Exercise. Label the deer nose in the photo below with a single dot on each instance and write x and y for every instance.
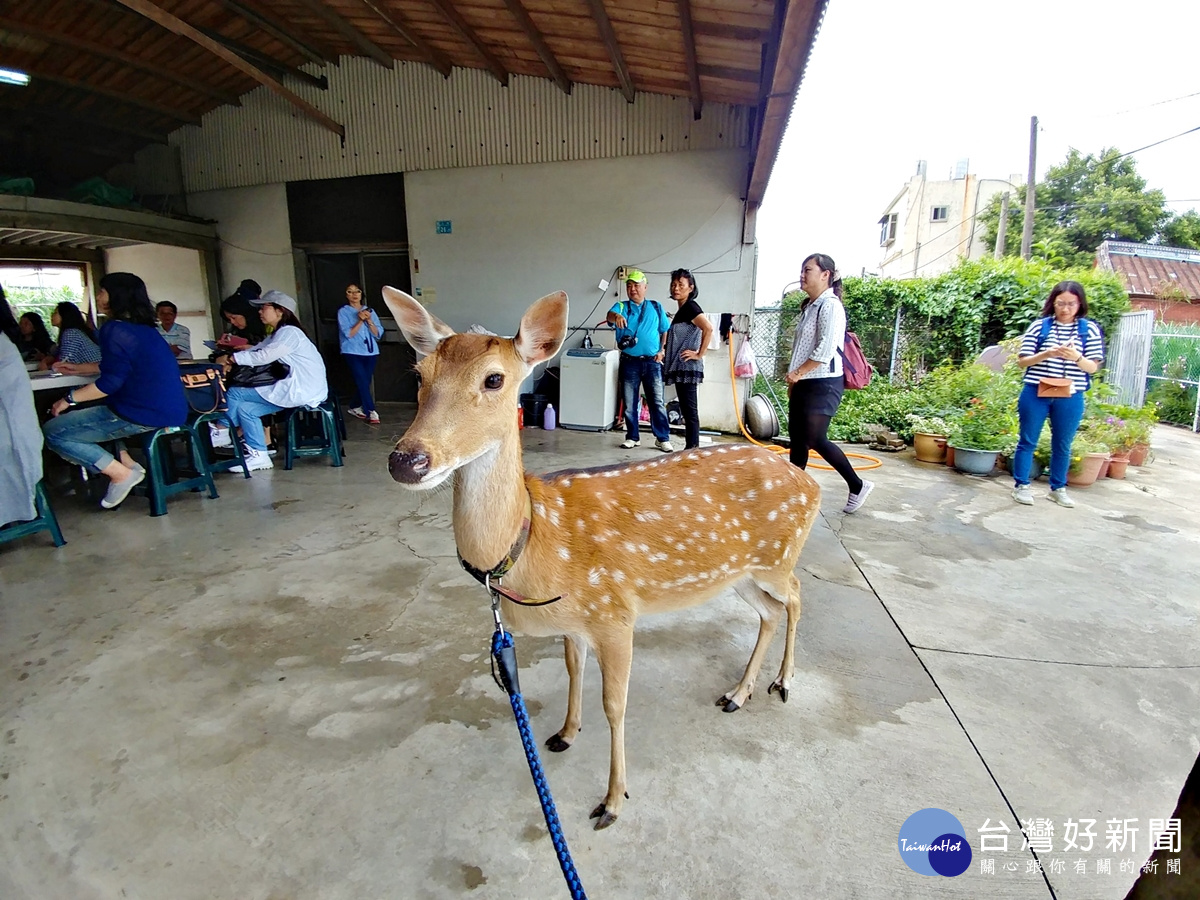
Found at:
(408, 466)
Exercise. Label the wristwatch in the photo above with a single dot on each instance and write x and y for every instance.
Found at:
(70, 398)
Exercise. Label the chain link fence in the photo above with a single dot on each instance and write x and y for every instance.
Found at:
(1173, 374)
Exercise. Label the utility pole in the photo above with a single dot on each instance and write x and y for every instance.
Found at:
(1002, 229)
(1030, 181)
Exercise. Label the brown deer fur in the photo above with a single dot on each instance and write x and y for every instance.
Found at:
(608, 540)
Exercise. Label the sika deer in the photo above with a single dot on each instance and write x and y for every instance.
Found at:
(607, 539)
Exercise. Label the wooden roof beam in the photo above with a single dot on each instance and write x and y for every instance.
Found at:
(281, 34)
(365, 45)
(109, 52)
(600, 14)
(400, 25)
(182, 28)
(452, 15)
(264, 62)
(91, 87)
(689, 52)
(549, 60)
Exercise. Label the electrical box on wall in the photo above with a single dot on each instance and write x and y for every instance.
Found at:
(622, 271)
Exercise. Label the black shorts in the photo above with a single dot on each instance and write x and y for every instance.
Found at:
(816, 396)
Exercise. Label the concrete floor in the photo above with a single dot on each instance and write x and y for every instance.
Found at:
(284, 693)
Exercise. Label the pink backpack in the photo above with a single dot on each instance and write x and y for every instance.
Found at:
(856, 371)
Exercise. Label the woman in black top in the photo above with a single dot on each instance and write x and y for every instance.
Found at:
(683, 364)
(35, 339)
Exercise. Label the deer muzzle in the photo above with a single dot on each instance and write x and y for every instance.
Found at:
(408, 466)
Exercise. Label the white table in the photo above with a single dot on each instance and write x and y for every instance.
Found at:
(46, 381)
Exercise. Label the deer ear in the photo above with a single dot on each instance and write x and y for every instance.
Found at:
(543, 329)
(423, 330)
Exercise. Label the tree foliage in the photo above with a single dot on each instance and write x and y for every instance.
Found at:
(1086, 200)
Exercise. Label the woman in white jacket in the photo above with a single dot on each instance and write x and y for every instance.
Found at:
(305, 384)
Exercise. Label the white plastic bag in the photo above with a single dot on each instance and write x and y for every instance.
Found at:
(744, 365)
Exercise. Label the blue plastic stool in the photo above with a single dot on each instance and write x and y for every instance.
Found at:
(154, 443)
(203, 437)
(301, 434)
(45, 521)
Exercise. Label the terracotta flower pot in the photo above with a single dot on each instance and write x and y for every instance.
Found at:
(930, 448)
(1089, 469)
(1103, 473)
(1116, 468)
(1137, 456)
(950, 456)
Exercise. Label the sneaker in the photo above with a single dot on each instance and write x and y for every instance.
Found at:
(373, 418)
(630, 443)
(854, 501)
(664, 446)
(357, 412)
(257, 460)
(119, 490)
(1023, 494)
(1060, 497)
(219, 435)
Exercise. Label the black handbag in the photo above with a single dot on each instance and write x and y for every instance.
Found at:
(257, 376)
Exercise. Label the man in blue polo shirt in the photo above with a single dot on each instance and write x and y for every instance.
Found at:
(642, 328)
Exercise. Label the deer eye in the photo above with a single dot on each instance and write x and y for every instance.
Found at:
(494, 382)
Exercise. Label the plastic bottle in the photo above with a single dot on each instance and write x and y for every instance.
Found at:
(587, 341)
(550, 419)
(520, 416)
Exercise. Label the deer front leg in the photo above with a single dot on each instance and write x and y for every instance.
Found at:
(575, 650)
(768, 609)
(787, 671)
(615, 655)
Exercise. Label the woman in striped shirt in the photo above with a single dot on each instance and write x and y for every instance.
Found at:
(1062, 344)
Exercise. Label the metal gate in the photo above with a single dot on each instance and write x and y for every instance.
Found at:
(1129, 357)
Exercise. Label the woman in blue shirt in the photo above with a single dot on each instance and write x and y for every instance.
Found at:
(139, 385)
(359, 330)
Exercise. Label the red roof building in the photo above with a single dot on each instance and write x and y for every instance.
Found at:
(1163, 279)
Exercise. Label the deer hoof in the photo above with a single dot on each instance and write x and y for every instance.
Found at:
(730, 707)
(778, 686)
(603, 817)
(555, 744)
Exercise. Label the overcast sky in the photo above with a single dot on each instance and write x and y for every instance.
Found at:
(891, 83)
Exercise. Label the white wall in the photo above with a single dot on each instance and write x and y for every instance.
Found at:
(256, 239)
(520, 232)
(170, 273)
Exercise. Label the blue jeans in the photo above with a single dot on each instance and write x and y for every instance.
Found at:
(644, 372)
(76, 435)
(1065, 414)
(362, 368)
(245, 407)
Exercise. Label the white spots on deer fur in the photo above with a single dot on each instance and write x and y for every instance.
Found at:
(706, 498)
(745, 535)
(639, 582)
(679, 562)
(566, 482)
(554, 517)
(706, 453)
(593, 577)
(680, 547)
(564, 553)
(595, 517)
(688, 492)
(731, 478)
(716, 517)
(644, 548)
(605, 598)
(539, 509)
(656, 557)
(648, 515)
(712, 480)
(722, 449)
(618, 576)
(700, 518)
(761, 544)
(775, 546)
(803, 500)
(768, 484)
(559, 501)
(712, 536)
(592, 607)
(580, 524)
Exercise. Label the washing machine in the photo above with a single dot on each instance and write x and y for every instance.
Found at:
(588, 388)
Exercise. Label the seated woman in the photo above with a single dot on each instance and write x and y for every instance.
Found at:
(35, 340)
(139, 385)
(76, 338)
(305, 384)
(241, 321)
(20, 437)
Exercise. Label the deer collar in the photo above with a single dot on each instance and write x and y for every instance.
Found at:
(490, 578)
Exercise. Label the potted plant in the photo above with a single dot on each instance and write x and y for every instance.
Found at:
(1141, 423)
(983, 430)
(1087, 458)
(930, 434)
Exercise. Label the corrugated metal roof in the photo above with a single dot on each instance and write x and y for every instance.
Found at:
(410, 119)
(1167, 273)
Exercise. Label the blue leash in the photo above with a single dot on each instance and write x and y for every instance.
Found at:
(504, 670)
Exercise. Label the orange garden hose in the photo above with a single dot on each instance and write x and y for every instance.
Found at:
(873, 462)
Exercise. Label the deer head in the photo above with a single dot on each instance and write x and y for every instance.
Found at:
(467, 399)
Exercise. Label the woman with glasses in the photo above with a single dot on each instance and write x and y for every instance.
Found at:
(1059, 353)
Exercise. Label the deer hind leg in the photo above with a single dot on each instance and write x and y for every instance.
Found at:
(615, 655)
(575, 650)
(769, 609)
(787, 671)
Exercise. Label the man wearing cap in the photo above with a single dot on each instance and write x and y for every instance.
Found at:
(303, 385)
(642, 328)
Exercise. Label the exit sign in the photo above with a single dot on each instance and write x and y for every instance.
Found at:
(443, 226)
